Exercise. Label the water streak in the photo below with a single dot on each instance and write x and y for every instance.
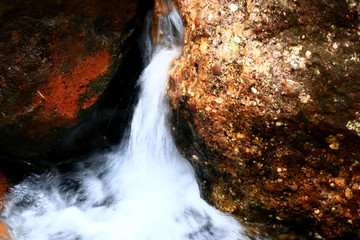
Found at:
(143, 190)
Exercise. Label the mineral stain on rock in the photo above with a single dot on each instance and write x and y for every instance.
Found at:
(56, 60)
(63, 92)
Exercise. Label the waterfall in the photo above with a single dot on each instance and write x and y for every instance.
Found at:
(142, 190)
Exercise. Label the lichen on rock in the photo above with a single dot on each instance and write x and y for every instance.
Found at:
(270, 90)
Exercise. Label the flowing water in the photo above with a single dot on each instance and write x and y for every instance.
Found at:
(143, 190)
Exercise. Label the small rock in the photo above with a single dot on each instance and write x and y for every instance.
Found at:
(304, 98)
(207, 32)
(279, 124)
(294, 187)
(348, 193)
(308, 54)
(199, 19)
(233, 7)
(354, 125)
(340, 136)
(203, 47)
(340, 182)
(237, 39)
(339, 199)
(194, 157)
(216, 69)
(240, 136)
(247, 33)
(219, 100)
(355, 186)
(277, 54)
(254, 90)
(333, 142)
(259, 27)
(318, 236)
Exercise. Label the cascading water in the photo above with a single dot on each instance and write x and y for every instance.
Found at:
(143, 190)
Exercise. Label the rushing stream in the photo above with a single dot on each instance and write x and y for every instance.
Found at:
(143, 190)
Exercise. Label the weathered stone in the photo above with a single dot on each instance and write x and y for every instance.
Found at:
(4, 232)
(216, 69)
(289, 87)
(56, 59)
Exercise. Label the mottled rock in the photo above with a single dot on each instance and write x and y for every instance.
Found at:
(56, 60)
(4, 232)
(216, 69)
(287, 98)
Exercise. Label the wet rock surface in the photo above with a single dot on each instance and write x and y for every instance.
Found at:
(266, 105)
(56, 60)
(4, 232)
(4, 187)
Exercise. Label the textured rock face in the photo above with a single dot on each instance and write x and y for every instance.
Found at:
(4, 232)
(56, 59)
(267, 95)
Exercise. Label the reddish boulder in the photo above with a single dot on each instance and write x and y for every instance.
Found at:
(266, 105)
(56, 59)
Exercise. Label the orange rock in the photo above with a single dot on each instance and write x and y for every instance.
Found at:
(4, 232)
(293, 110)
(216, 69)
